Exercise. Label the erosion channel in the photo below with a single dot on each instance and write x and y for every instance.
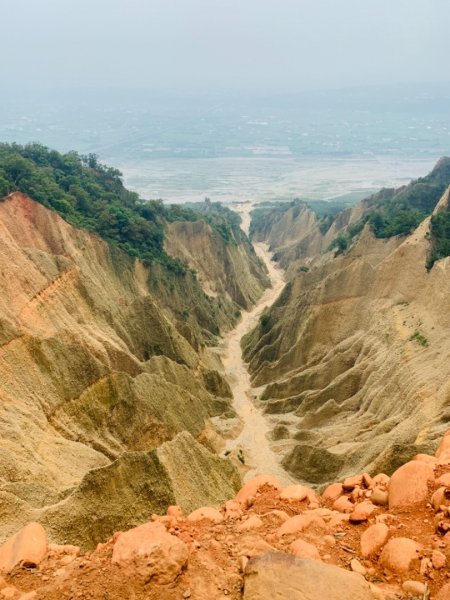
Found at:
(252, 444)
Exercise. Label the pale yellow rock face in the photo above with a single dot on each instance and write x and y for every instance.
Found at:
(97, 373)
(346, 377)
(223, 269)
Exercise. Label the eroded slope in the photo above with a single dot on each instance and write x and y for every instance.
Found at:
(355, 357)
(95, 369)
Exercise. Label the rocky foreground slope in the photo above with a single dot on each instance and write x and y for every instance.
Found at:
(365, 538)
(105, 384)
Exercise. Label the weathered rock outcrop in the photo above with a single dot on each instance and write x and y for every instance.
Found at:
(232, 270)
(354, 354)
(96, 374)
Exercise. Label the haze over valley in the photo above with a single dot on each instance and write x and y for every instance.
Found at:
(224, 292)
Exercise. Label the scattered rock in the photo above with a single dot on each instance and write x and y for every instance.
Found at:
(297, 492)
(279, 514)
(343, 505)
(379, 497)
(174, 511)
(151, 552)
(444, 480)
(414, 587)
(287, 577)
(373, 539)
(206, 512)
(443, 452)
(233, 509)
(329, 540)
(27, 547)
(438, 559)
(300, 523)
(381, 480)
(351, 482)
(441, 497)
(362, 512)
(253, 522)
(357, 567)
(409, 484)
(333, 491)
(367, 480)
(252, 486)
(303, 549)
(399, 554)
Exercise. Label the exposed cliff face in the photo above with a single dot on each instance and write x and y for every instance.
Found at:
(355, 357)
(297, 237)
(94, 369)
(232, 271)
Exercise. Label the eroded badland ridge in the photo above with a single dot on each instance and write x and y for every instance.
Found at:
(122, 381)
(103, 391)
(354, 353)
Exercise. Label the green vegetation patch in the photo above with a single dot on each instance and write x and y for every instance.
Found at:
(418, 337)
(440, 237)
(92, 196)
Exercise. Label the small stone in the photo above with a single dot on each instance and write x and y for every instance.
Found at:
(409, 484)
(300, 523)
(187, 594)
(303, 549)
(399, 553)
(233, 509)
(443, 452)
(425, 566)
(343, 505)
(151, 552)
(333, 491)
(329, 540)
(279, 514)
(414, 587)
(373, 539)
(367, 480)
(253, 522)
(206, 513)
(174, 511)
(351, 482)
(28, 546)
(297, 492)
(379, 497)
(441, 497)
(357, 567)
(362, 512)
(28, 596)
(243, 560)
(251, 487)
(443, 480)
(438, 559)
(381, 480)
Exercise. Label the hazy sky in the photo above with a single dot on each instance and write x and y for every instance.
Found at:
(235, 45)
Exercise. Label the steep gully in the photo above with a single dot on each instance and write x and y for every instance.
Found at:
(252, 443)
